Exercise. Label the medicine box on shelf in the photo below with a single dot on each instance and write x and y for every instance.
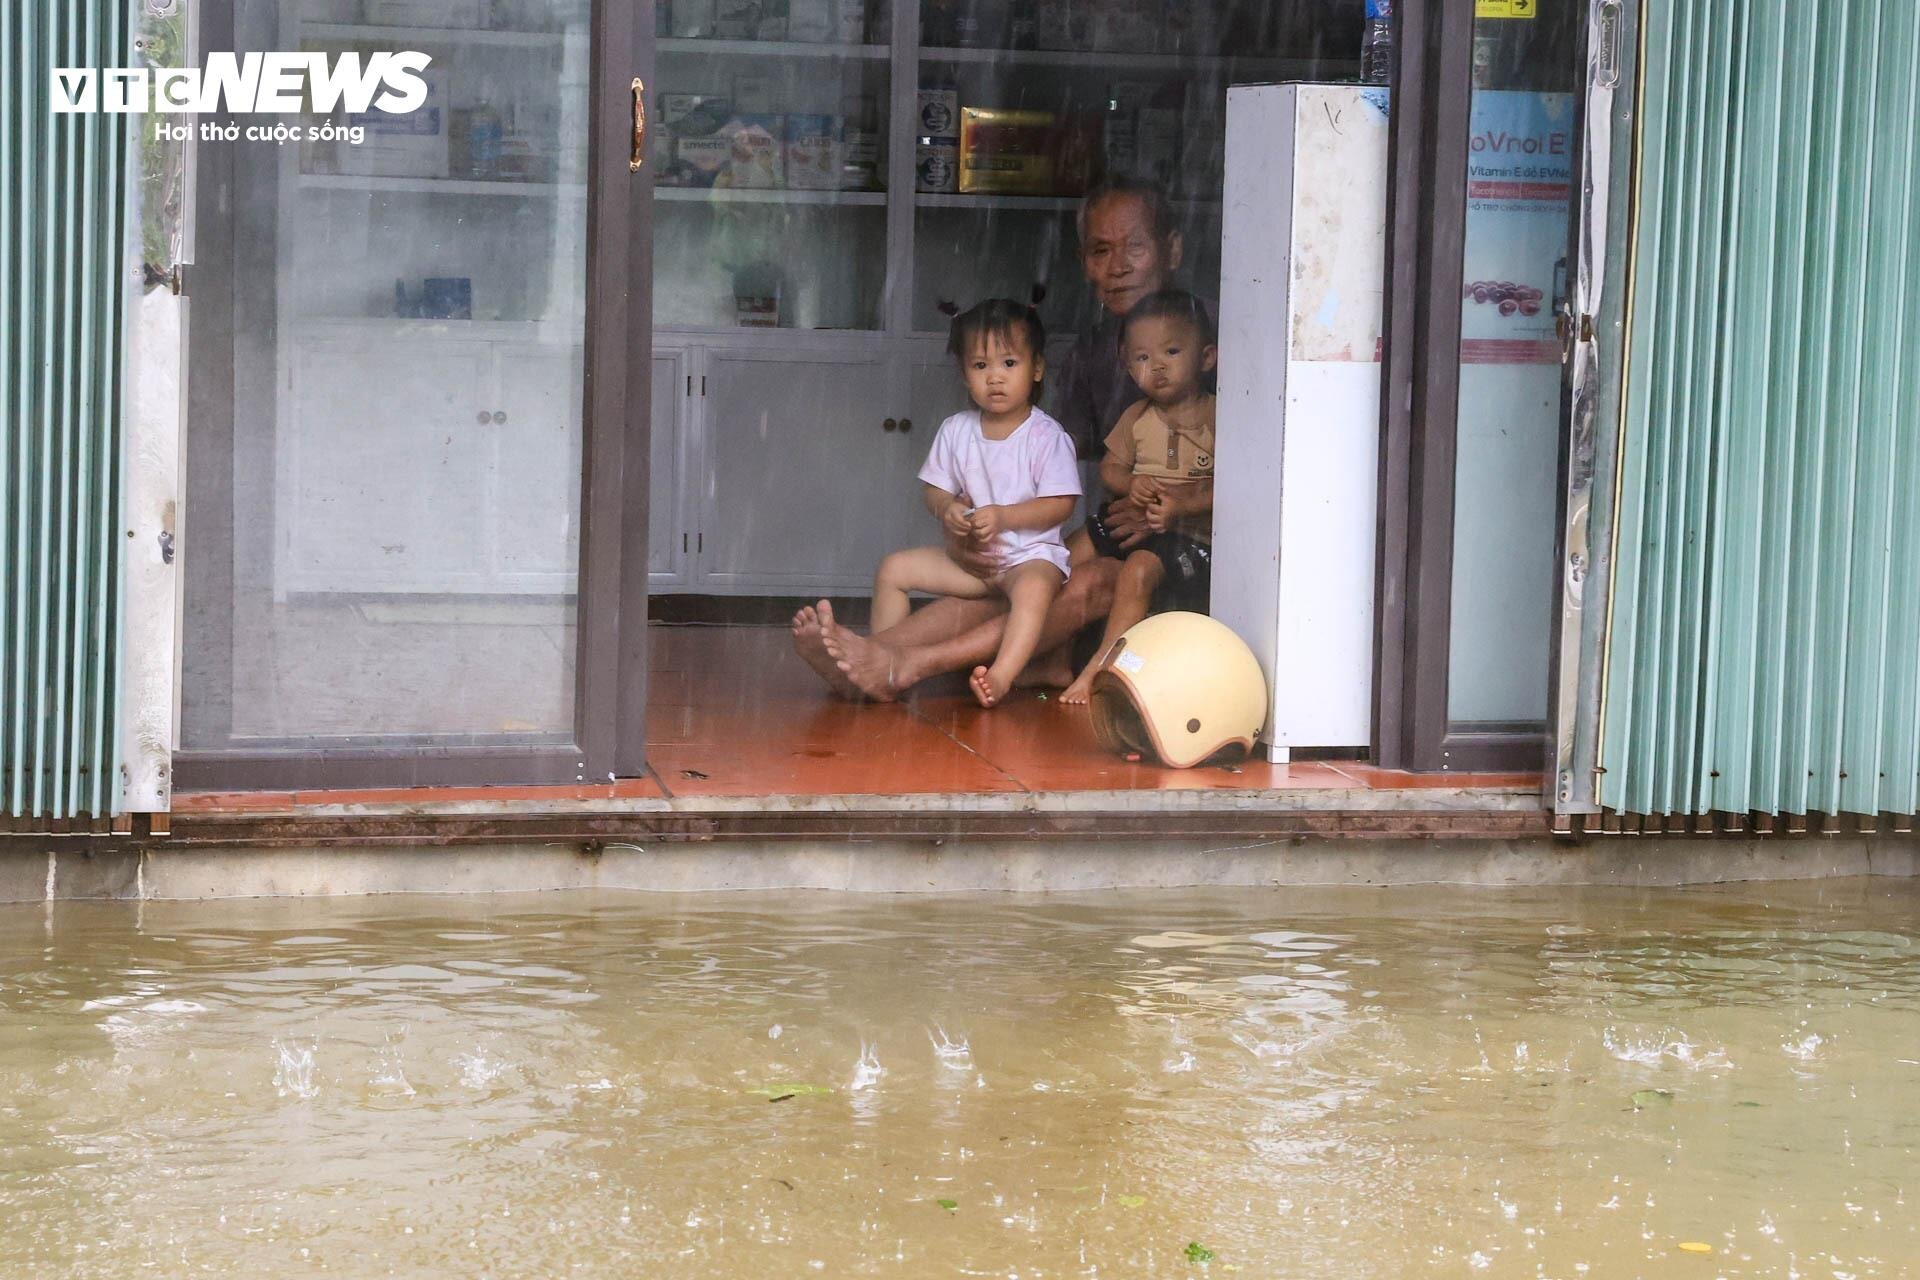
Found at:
(413, 144)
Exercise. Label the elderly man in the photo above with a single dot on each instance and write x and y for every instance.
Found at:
(1129, 248)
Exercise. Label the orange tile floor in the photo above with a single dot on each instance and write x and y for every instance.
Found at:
(734, 713)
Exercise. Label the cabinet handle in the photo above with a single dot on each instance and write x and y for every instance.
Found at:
(485, 417)
(500, 417)
(906, 425)
(638, 156)
(889, 425)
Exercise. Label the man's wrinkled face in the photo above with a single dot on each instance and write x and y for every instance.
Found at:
(1123, 260)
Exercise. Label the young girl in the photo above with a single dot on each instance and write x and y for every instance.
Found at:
(1159, 458)
(1001, 478)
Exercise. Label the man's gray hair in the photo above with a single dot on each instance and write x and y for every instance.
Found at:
(1161, 219)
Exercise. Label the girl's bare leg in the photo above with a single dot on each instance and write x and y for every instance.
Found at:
(1053, 668)
(1030, 588)
(927, 569)
(1140, 577)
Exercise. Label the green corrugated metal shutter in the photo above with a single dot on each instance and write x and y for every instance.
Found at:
(1764, 645)
(62, 222)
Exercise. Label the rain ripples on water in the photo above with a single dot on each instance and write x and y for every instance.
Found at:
(1341, 1083)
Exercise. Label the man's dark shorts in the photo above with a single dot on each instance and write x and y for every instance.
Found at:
(1188, 563)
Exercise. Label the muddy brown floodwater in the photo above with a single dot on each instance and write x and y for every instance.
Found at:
(1329, 1083)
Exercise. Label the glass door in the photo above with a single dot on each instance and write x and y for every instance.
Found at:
(396, 571)
(1485, 172)
(1520, 165)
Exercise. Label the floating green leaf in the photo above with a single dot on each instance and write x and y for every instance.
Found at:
(1644, 1098)
(1197, 1252)
(948, 1205)
(1131, 1202)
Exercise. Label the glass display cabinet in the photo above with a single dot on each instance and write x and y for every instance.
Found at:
(442, 259)
(831, 181)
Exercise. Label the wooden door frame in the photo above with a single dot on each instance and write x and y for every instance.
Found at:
(609, 735)
(1420, 406)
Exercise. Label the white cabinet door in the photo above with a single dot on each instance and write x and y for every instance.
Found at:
(932, 392)
(669, 536)
(385, 491)
(535, 482)
(803, 487)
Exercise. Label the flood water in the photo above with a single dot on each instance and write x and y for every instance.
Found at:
(1329, 1083)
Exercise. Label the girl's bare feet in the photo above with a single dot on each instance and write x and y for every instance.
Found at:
(864, 663)
(809, 643)
(988, 688)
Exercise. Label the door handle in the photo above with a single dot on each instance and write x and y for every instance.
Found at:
(888, 425)
(1606, 67)
(638, 156)
(906, 425)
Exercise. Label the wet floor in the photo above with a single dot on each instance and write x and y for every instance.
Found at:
(1337, 1083)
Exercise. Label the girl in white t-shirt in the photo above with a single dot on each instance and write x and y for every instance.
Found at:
(1000, 477)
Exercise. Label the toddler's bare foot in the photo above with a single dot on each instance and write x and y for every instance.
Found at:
(1051, 670)
(989, 688)
(809, 641)
(1080, 692)
(864, 663)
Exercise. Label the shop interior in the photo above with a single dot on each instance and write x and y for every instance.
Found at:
(807, 314)
(832, 180)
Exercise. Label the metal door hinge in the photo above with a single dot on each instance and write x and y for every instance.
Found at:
(1571, 329)
(174, 278)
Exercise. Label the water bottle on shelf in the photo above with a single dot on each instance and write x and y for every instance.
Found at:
(1376, 43)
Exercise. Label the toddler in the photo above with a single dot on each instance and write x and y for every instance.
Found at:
(1159, 458)
(1000, 478)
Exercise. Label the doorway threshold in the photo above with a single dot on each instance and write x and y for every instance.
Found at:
(744, 740)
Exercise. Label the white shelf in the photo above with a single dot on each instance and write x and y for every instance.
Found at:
(767, 195)
(442, 186)
(413, 37)
(1037, 204)
(568, 330)
(713, 48)
(1108, 61)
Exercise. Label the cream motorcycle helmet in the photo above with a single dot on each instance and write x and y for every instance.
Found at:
(1179, 686)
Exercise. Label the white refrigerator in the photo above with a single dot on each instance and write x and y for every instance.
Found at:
(1296, 486)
